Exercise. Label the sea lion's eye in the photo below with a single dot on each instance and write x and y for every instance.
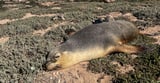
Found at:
(57, 55)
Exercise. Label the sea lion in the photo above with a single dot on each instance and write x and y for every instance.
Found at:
(94, 41)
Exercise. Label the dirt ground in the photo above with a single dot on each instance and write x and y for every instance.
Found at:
(28, 31)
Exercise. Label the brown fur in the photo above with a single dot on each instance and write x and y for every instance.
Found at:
(94, 41)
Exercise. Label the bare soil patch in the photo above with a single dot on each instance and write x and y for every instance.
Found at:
(56, 8)
(47, 4)
(123, 69)
(27, 15)
(4, 39)
(10, 5)
(76, 74)
(153, 32)
(4, 21)
(43, 31)
(128, 16)
(115, 14)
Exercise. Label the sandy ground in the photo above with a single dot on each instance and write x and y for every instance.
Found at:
(153, 32)
(43, 31)
(27, 15)
(74, 74)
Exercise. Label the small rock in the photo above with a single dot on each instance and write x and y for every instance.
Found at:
(32, 68)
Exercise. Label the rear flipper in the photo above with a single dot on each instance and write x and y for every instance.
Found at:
(129, 49)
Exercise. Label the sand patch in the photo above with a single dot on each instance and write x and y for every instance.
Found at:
(12, 9)
(4, 21)
(43, 31)
(10, 5)
(56, 8)
(123, 69)
(99, 8)
(115, 14)
(27, 15)
(74, 74)
(60, 24)
(3, 39)
(48, 4)
(128, 16)
(153, 32)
